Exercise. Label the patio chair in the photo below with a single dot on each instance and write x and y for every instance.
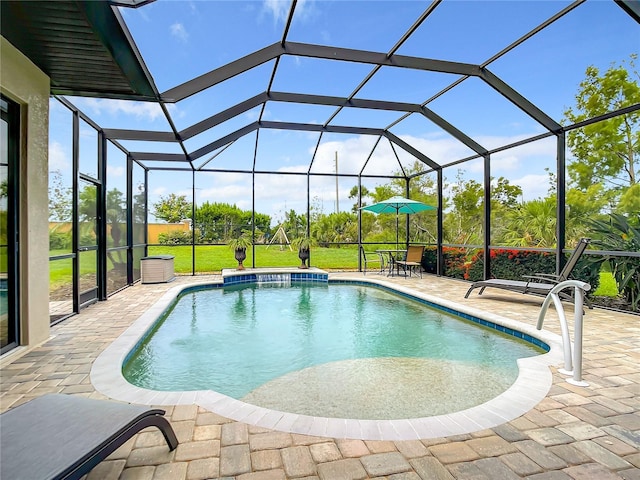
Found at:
(64, 436)
(372, 257)
(412, 261)
(539, 283)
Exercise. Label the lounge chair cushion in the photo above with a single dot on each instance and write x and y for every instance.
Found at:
(65, 436)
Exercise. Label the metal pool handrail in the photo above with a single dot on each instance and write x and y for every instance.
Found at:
(570, 368)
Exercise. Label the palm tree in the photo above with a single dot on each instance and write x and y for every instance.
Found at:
(532, 224)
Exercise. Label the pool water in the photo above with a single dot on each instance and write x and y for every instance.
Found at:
(347, 351)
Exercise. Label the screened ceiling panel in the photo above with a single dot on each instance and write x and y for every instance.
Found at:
(123, 114)
(223, 96)
(407, 160)
(566, 51)
(483, 114)
(203, 161)
(453, 27)
(298, 112)
(405, 85)
(164, 147)
(285, 149)
(351, 150)
(431, 140)
(382, 161)
(238, 156)
(365, 117)
(193, 24)
(318, 76)
(152, 164)
(222, 130)
(357, 25)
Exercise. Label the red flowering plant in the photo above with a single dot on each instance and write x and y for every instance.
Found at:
(455, 261)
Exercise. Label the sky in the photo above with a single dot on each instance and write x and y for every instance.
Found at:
(179, 40)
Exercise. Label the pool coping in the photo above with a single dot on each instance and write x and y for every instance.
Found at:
(530, 387)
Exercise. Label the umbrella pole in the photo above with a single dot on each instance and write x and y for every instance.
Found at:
(396, 229)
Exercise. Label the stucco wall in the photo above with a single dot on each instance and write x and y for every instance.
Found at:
(24, 83)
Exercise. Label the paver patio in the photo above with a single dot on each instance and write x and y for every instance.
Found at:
(574, 433)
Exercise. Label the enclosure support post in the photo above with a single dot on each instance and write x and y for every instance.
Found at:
(439, 216)
(406, 217)
(560, 203)
(487, 217)
(101, 211)
(193, 222)
(359, 223)
(130, 220)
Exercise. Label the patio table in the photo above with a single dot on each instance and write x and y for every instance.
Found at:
(393, 255)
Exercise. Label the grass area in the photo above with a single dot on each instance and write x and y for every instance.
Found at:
(215, 258)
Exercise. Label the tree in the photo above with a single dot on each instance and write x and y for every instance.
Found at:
(139, 213)
(220, 222)
(607, 152)
(336, 227)
(60, 198)
(353, 194)
(172, 208)
(532, 224)
(116, 215)
(294, 225)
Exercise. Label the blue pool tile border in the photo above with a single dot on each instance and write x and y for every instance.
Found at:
(304, 277)
(472, 318)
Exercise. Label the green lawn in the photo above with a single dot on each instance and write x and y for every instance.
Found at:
(215, 258)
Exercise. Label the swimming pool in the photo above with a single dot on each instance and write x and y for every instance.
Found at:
(531, 385)
(339, 350)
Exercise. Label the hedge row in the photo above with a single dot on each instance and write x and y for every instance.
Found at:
(505, 263)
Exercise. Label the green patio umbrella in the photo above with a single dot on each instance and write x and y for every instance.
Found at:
(398, 205)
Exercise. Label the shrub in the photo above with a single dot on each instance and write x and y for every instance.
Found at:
(508, 264)
(454, 261)
(430, 259)
(621, 234)
(59, 240)
(176, 237)
(521, 263)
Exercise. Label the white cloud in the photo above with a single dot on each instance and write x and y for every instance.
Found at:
(115, 171)
(177, 30)
(58, 158)
(159, 191)
(440, 149)
(279, 9)
(352, 153)
(142, 110)
(533, 186)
